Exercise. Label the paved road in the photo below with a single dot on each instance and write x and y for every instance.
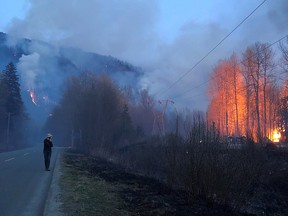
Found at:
(24, 183)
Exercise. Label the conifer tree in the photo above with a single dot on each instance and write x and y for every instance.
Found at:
(2, 96)
(12, 108)
(126, 123)
(2, 108)
(13, 100)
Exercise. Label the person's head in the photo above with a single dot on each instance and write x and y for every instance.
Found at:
(49, 136)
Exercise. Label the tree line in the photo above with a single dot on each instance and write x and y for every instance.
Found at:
(95, 115)
(248, 95)
(248, 98)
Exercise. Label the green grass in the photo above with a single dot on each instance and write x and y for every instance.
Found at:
(85, 195)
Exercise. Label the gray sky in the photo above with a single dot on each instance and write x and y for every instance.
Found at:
(165, 37)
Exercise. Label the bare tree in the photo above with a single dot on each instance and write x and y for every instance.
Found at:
(284, 50)
(227, 100)
(267, 65)
(252, 67)
(258, 64)
(246, 72)
(92, 105)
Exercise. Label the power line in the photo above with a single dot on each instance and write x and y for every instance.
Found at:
(205, 56)
(189, 90)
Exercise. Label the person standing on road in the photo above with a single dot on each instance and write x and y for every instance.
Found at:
(47, 150)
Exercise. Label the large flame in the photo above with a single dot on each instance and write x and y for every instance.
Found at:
(33, 96)
(276, 136)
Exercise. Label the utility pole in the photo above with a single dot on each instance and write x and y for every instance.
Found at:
(227, 130)
(72, 139)
(8, 129)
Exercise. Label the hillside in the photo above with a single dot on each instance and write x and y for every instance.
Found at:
(43, 68)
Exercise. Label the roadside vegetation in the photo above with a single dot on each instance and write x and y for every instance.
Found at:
(94, 186)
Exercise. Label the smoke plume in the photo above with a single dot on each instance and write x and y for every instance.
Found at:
(129, 30)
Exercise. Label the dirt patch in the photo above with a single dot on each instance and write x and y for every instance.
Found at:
(136, 195)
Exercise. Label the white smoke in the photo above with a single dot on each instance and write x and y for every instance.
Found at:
(29, 69)
(128, 29)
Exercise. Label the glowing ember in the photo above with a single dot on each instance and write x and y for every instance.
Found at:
(32, 95)
(276, 136)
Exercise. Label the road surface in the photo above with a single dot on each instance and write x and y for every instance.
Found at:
(24, 183)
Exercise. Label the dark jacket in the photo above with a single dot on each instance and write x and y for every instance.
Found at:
(47, 145)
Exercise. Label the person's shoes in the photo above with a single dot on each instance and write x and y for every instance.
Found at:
(47, 169)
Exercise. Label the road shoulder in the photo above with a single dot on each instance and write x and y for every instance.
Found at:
(53, 202)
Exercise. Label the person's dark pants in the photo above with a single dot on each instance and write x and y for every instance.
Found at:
(47, 156)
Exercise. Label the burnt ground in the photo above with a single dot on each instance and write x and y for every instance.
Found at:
(143, 195)
(270, 194)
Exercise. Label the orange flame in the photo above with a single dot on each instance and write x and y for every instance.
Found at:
(33, 97)
(276, 136)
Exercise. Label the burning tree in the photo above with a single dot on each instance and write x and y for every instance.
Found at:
(244, 96)
(227, 100)
(258, 72)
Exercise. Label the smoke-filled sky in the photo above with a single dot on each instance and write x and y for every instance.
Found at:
(165, 37)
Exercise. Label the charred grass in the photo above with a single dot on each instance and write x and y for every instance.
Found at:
(93, 186)
(86, 194)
